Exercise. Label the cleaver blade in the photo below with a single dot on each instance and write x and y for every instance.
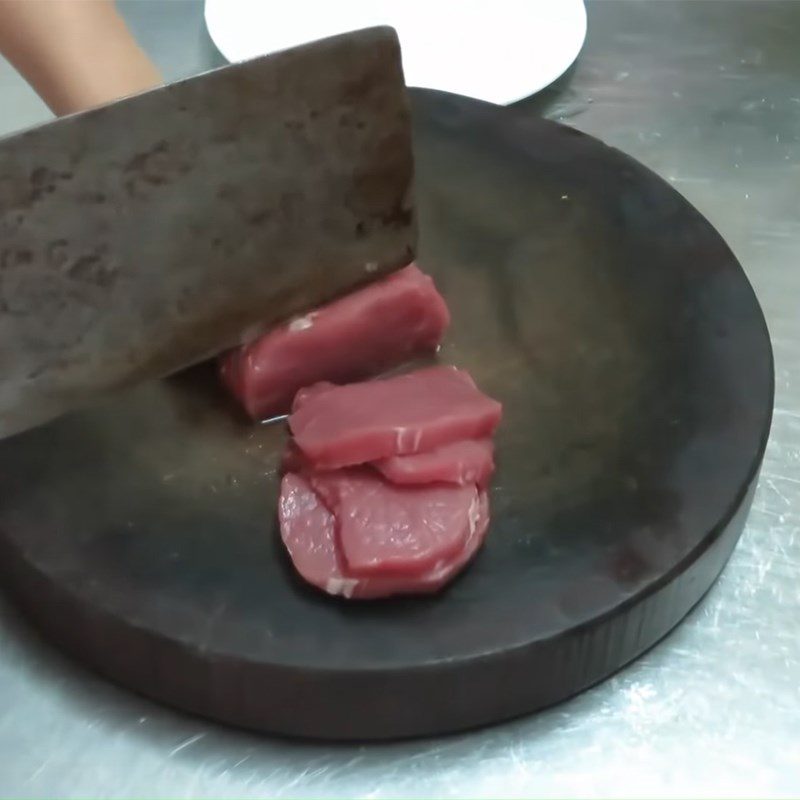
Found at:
(147, 235)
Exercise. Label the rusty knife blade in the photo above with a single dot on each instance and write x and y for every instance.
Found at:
(147, 235)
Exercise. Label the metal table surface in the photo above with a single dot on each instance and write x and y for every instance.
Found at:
(708, 95)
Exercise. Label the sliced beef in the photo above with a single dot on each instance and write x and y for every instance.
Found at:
(384, 482)
(307, 392)
(402, 415)
(308, 530)
(389, 529)
(366, 332)
(469, 461)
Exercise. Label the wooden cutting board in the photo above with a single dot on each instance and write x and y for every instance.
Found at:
(636, 372)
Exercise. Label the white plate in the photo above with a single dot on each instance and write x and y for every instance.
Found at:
(495, 50)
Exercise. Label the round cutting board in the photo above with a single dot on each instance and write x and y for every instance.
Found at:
(500, 51)
(636, 373)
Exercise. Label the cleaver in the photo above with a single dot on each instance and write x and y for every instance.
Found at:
(147, 235)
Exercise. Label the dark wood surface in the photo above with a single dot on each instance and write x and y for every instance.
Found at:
(636, 372)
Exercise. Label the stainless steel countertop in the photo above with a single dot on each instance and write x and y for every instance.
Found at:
(708, 95)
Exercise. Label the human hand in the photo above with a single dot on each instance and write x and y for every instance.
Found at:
(76, 54)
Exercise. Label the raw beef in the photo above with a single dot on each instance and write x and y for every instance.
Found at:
(307, 392)
(308, 531)
(411, 413)
(388, 529)
(384, 482)
(470, 461)
(384, 324)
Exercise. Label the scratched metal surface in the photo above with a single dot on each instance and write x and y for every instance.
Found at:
(707, 94)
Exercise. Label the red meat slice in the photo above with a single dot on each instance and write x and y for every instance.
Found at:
(307, 392)
(411, 413)
(308, 531)
(388, 529)
(470, 461)
(366, 332)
